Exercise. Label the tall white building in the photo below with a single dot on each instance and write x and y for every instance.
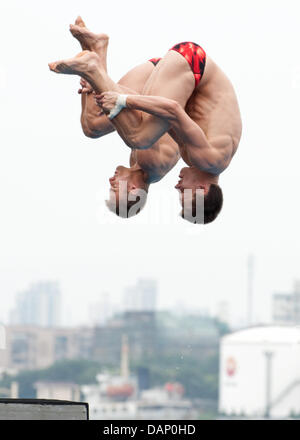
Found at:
(260, 372)
(286, 307)
(39, 305)
(222, 312)
(142, 297)
(101, 311)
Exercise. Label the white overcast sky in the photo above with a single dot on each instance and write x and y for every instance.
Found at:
(53, 179)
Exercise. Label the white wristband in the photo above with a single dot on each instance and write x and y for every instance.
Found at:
(120, 104)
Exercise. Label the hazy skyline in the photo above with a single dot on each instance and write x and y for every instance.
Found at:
(53, 178)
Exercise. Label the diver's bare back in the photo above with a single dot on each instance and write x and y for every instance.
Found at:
(214, 107)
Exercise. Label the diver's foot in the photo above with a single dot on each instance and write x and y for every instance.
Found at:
(88, 40)
(80, 22)
(83, 64)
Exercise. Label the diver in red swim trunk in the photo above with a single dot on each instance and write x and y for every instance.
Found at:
(186, 95)
(145, 166)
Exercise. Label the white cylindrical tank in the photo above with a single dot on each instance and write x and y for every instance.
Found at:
(260, 372)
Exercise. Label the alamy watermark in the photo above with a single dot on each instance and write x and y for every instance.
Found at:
(127, 204)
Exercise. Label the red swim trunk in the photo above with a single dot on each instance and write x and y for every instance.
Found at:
(155, 60)
(195, 56)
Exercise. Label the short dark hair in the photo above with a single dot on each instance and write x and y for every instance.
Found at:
(213, 202)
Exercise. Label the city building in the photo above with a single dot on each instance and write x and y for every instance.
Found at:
(283, 309)
(57, 390)
(296, 296)
(138, 322)
(127, 397)
(223, 312)
(142, 333)
(12, 392)
(33, 347)
(39, 305)
(113, 396)
(152, 334)
(101, 311)
(142, 297)
(260, 373)
(286, 307)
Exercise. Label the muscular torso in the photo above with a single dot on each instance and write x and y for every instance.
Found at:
(158, 160)
(214, 107)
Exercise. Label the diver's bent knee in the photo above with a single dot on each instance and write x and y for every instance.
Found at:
(90, 133)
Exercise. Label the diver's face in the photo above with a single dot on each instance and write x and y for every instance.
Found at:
(189, 180)
(121, 173)
(121, 183)
(126, 186)
(184, 181)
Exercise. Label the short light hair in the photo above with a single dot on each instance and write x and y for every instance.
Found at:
(114, 207)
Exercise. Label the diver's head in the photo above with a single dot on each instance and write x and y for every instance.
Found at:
(199, 189)
(128, 191)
